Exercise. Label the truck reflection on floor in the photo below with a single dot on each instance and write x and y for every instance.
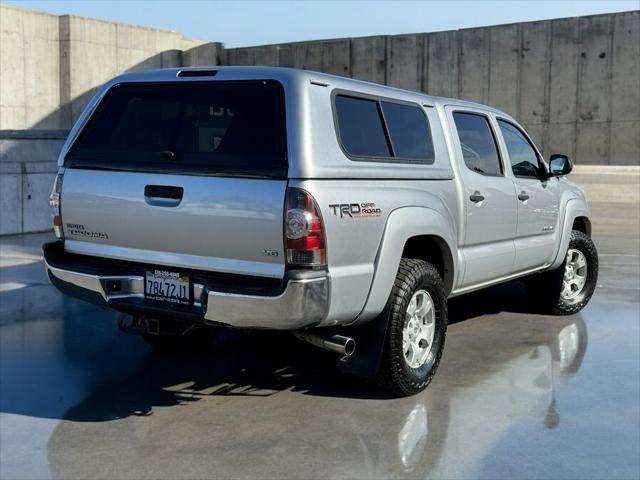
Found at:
(467, 409)
(472, 418)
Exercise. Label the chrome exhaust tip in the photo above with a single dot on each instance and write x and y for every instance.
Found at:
(344, 346)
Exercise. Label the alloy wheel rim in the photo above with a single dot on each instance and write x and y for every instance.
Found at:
(419, 329)
(575, 274)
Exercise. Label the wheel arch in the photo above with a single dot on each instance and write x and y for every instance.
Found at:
(576, 213)
(582, 224)
(416, 232)
(435, 250)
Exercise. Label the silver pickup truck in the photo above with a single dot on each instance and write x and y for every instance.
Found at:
(346, 212)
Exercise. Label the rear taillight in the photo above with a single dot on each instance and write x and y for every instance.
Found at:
(304, 231)
(54, 204)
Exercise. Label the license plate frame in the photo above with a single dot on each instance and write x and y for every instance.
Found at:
(168, 286)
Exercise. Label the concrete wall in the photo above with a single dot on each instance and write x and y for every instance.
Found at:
(29, 69)
(50, 67)
(574, 83)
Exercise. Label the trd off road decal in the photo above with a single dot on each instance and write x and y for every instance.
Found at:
(355, 210)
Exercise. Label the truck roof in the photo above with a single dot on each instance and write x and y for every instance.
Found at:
(289, 75)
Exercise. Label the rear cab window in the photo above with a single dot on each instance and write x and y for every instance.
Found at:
(371, 129)
(200, 127)
(479, 147)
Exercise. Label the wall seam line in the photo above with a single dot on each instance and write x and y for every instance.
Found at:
(547, 91)
(519, 57)
(611, 43)
(579, 68)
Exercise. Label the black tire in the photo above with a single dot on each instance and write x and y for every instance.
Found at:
(545, 289)
(395, 375)
(196, 340)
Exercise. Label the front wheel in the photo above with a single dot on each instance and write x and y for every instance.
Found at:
(417, 324)
(569, 288)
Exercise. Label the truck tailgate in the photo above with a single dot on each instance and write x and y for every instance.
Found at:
(223, 224)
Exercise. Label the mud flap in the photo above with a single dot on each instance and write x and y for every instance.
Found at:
(370, 342)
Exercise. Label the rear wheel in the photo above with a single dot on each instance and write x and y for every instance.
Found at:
(567, 289)
(417, 324)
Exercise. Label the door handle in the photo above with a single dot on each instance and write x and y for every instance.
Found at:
(476, 197)
(164, 191)
(523, 196)
(163, 195)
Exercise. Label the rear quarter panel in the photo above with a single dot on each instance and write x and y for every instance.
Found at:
(354, 241)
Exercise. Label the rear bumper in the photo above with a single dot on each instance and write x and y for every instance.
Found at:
(302, 303)
(302, 300)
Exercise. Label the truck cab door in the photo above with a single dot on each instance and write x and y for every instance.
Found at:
(538, 199)
(488, 197)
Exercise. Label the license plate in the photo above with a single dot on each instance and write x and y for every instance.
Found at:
(167, 286)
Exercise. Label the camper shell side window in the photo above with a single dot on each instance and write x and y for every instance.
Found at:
(378, 129)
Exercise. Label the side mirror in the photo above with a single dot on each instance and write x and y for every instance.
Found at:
(560, 165)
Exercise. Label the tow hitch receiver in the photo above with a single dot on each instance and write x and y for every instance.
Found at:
(138, 325)
(153, 326)
(142, 325)
(132, 324)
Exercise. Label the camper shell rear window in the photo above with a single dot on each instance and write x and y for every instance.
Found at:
(187, 127)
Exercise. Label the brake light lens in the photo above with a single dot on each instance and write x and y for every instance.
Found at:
(54, 205)
(304, 230)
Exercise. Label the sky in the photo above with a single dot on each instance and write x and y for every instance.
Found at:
(259, 22)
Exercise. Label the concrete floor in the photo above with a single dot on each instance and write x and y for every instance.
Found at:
(517, 395)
